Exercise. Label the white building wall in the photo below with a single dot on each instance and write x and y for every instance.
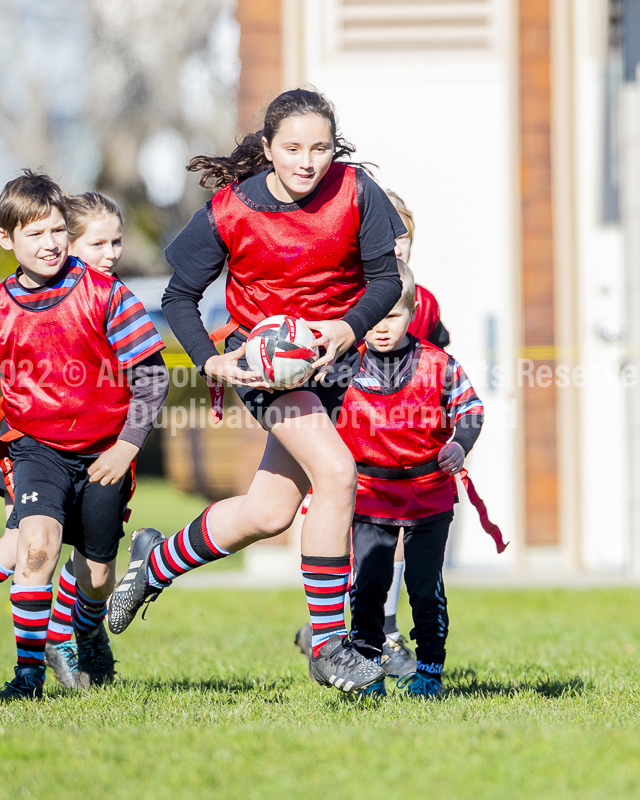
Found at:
(603, 459)
(440, 127)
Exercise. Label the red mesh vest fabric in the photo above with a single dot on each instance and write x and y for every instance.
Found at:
(302, 261)
(68, 391)
(399, 429)
(427, 314)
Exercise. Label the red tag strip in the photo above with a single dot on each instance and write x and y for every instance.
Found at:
(476, 501)
(307, 501)
(7, 475)
(216, 390)
(220, 334)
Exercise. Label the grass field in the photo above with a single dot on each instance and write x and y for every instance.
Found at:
(213, 700)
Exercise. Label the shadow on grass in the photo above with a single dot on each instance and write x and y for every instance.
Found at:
(466, 681)
(237, 685)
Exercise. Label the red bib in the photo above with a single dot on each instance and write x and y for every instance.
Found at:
(61, 380)
(400, 429)
(285, 259)
(427, 314)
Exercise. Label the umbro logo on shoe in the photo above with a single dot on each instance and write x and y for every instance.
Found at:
(33, 497)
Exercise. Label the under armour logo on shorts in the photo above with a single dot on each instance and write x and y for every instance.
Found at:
(33, 497)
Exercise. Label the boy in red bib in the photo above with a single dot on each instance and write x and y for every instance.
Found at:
(426, 324)
(72, 422)
(410, 416)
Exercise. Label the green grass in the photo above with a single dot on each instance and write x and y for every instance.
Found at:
(212, 699)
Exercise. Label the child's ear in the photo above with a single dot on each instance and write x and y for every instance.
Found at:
(267, 149)
(415, 311)
(5, 240)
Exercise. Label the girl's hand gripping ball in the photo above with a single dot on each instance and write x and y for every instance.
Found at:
(336, 336)
(283, 350)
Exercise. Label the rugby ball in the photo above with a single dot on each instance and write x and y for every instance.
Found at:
(282, 349)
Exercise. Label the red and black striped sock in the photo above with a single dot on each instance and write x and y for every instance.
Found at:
(325, 585)
(191, 547)
(60, 625)
(5, 573)
(31, 607)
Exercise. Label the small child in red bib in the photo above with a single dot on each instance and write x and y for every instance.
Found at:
(409, 417)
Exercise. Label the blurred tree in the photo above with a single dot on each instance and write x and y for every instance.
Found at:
(119, 94)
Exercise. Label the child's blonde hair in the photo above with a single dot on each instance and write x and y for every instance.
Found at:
(405, 214)
(408, 296)
(82, 208)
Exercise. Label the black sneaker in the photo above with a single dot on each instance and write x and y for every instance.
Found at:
(62, 658)
(96, 664)
(27, 685)
(133, 590)
(340, 665)
(397, 659)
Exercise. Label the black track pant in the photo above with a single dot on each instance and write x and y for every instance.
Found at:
(373, 549)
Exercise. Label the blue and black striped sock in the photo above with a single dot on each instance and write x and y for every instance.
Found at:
(87, 614)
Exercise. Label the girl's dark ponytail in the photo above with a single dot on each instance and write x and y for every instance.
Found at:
(217, 171)
(248, 158)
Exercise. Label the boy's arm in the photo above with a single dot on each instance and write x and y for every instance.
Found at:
(136, 344)
(464, 408)
(149, 382)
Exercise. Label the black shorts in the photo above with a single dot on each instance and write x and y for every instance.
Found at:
(55, 483)
(331, 393)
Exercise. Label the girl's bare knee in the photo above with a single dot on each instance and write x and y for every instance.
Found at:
(341, 479)
(271, 521)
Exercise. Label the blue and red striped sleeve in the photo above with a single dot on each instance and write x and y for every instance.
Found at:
(462, 396)
(464, 408)
(130, 331)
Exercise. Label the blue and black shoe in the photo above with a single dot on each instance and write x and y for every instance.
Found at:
(375, 690)
(62, 658)
(421, 685)
(96, 664)
(27, 685)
